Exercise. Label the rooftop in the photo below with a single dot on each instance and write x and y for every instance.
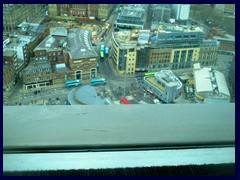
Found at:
(50, 43)
(143, 36)
(9, 53)
(60, 31)
(58, 68)
(131, 13)
(227, 37)
(169, 27)
(127, 38)
(211, 82)
(87, 95)
(168, 78)
(38, 64)
(79, 44)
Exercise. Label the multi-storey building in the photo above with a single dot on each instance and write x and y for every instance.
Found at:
(101, 11)
(180, 46)
(171, 46)
(70, 56)
(14, 14)
(105, 10)
(227, 43)
(52, 10)
(10, 57)
(160, 12)
(229, 9)
(37, 74)
(81, 56)
(208, 52)
(164, 85)
(22, 56)
(9, 78)
(181, 11)
(133, 17)
(123, 51)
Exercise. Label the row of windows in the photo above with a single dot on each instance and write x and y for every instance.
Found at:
(53, 54)
(38, 79)
(161, 53)
(160, 57)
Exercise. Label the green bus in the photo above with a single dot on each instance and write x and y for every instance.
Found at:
(101, 56)
(149, 74)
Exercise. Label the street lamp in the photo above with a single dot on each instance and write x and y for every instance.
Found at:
(125, 78)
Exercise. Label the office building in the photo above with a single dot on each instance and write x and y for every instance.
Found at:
(160, 12)
(170, 46)
(133, 17)
(164, 85)
(14, 14)
(181, 11)
(123, 52)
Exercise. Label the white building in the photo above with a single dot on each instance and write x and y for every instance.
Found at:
(164, 85)
(210, 86)
(181, 11)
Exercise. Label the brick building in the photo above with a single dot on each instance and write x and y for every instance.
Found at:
(66, 55)
(9, 78)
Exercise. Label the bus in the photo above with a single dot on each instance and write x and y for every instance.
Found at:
(102, 48)
(73, 83)
(120, 8)
(106, 51)
(97, 82)
(149, 74)
(124, 101)
(101, 56)
(116, 11)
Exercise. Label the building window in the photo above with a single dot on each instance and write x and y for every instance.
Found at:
(78, 74)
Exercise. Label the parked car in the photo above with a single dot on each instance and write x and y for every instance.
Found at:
(36, 92)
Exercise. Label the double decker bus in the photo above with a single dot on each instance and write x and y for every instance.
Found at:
(149, 74)
(124, 101)
(73, 83)
(97, 82)
(101, 56)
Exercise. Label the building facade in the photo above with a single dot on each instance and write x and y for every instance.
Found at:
(14, 14)
(226, 44)
(105, 10)
(37, 74)
(100, 11)
(209, 50)
(181, 11)
(9, 78)
(229, 9)
(133, 17)
(171, 46)
(10, 57)
(164, 85)
(65, 56)
(160, 12)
